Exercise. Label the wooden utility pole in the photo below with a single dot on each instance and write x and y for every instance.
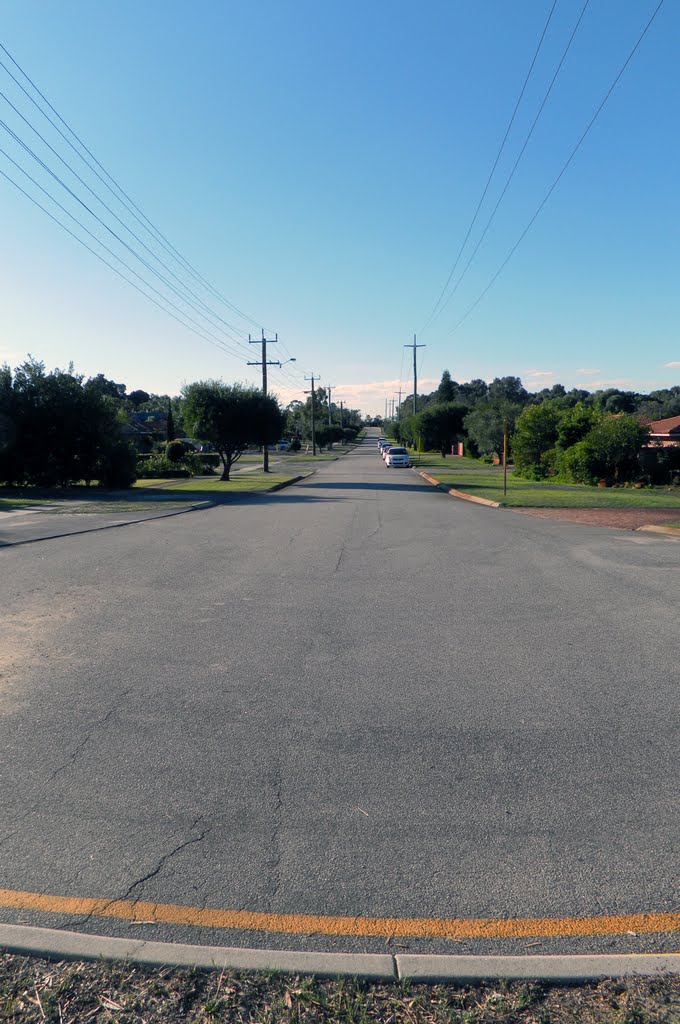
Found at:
(264, 364)
(415, 373)
(329, 388)
(312, 394)
(505, 456)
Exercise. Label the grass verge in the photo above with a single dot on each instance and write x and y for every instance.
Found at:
(487, 482)
(145, 494)
(34, 990)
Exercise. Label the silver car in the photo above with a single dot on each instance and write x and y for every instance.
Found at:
(397, 457)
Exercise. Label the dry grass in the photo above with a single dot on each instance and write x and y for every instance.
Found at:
(34, 990)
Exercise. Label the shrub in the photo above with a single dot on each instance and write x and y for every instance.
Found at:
(175, 451)
(118, 465)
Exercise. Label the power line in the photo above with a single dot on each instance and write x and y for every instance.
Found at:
(127, 202)
(208, 316)
(515, 166)
(564, 168)
(154, 255)
(202, 334)
(491, 173)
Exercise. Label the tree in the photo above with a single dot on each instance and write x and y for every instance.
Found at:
(440, 424)
(138, 397)
(106, 388)
(508, 389)
(61, 431)
(474, 391)
(534, 437)
(446, 392)
(611, 450)
(171, 424)
(231, 417)
(485, 424)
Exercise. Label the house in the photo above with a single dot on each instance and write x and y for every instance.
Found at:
(665, 432)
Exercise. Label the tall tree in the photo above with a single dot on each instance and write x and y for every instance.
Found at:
(446, 392)
(231, 417)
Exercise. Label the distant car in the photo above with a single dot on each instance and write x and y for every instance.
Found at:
(397, 457)
(386, 449)
(280, 446)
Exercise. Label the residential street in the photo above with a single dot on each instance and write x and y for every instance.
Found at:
(357, 698)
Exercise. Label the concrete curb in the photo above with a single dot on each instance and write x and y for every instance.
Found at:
(111, 526)
(289, 483)
(55, 944)
(576, 968)
(459, 494)
(670, 531)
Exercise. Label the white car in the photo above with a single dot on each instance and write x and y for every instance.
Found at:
(397, 457)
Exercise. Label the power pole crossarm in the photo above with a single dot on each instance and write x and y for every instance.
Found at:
(415, 373)
(264, 364)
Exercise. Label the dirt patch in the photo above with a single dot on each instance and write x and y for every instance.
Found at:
(33, 991)
(618, 518)
(35, 635)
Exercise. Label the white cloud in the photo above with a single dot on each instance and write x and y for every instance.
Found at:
(589, 372)
(11, 356)
(618, 382)
(672, 366)
(540, 373)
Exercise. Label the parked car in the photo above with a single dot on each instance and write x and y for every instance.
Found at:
(280, 446)
(397, 457)
(386, 448)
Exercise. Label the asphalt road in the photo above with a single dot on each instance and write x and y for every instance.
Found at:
(358, 697)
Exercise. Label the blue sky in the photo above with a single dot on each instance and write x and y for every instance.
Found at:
(320, 163)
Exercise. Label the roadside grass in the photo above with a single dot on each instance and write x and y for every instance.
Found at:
(34, 990)
(145, 494)
(487, 482)
(238, 484)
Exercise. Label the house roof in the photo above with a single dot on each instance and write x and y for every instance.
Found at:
(671, 425)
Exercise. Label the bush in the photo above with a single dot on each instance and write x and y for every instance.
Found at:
(118, 465)
(175, 451)
(578, 464)
(159, 465)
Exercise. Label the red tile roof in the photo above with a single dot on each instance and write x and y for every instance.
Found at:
(667, 426)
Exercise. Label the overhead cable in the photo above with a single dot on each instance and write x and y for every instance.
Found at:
(126, 201)
(491, 173)
(514, 168)
(564, 168)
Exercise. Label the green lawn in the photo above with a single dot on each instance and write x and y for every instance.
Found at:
(238, 484)
(145, 494)
(487, 482)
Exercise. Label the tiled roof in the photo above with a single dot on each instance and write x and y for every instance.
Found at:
(672, 424)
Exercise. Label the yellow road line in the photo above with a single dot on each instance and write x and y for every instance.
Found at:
(322, 924)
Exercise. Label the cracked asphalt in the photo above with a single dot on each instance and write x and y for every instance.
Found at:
(355, 697)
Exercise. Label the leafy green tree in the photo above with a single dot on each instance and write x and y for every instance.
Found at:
(575, 423)
(611, 450)
(231, 417)
(485, 424)
(137, 398)
(508, 389)
(474, 391)
(447, 390)
(106, 388)
(534, 437)
(62, 431)
(440, 424)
